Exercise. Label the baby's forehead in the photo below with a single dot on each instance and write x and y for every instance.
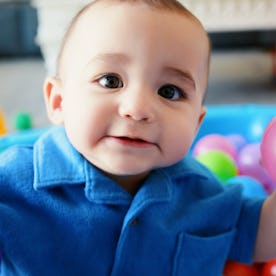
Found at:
(100, 6)
(84, 22)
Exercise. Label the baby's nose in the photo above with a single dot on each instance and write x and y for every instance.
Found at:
(136, 106)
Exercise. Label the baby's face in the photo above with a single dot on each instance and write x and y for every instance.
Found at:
(131, 87)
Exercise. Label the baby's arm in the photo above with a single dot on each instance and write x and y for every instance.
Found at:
(265, 247)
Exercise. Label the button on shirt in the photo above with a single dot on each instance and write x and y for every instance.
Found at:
(59, 215)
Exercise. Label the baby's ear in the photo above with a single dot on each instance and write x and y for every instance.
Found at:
(53, 100)
(201, 118)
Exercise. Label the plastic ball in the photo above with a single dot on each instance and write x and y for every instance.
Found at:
(250, 186)
(249, 163)
(219, 163)
(23, 121)
(215, 142)
(237, 140)
(3, 129)
(268, 149)
(238, 269)
(269, 268)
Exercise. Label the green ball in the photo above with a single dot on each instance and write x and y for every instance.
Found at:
(23, 121)
(219, 163)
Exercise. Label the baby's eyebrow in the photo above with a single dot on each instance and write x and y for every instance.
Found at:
(187, 76)
(111, 57)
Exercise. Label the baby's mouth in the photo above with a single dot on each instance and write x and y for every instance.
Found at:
(132, 141)
(138, 140)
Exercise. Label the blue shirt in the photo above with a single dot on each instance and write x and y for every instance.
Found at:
(59, 215)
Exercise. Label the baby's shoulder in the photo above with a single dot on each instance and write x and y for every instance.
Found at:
(16, 155)
(16, 164)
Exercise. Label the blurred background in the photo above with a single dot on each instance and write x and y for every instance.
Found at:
(243, 65)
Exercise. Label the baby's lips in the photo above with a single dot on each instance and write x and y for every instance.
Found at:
(268, 149)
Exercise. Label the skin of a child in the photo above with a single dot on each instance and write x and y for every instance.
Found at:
(130, 94)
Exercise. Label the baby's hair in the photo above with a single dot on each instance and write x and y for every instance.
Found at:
(172, 5)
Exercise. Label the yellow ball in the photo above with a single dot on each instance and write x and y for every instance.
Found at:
(3, 129)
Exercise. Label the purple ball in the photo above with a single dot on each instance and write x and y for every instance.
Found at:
(238, 141)
(249, 164)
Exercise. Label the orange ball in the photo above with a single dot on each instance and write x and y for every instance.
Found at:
(269, 268)
(238, 269)
(3, 129)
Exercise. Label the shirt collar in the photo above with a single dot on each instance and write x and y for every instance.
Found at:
(188, 166)
(57, 162)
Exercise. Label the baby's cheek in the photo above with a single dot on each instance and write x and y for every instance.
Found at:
(177, 149)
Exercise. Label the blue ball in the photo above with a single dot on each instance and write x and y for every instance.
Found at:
(251, 188)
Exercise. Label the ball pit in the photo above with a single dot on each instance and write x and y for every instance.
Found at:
(251, 129)
(242, 127)
(247, 170)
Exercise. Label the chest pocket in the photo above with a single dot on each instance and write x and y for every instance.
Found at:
(199, 256)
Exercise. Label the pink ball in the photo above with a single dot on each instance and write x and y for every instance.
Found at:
(215, 142)
(268, 149)
(249, 164)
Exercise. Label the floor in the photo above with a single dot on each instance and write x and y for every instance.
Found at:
(235, 77)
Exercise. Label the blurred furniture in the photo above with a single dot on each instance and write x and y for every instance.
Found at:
(237, 23)
(18, 21)
(230, 23)
(53, 18)
(234, 15)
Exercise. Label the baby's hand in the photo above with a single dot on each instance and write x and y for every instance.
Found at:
(268, 149)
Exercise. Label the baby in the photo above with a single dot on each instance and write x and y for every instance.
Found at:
(112, 190)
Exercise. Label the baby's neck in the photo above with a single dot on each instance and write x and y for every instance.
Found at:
(131, 183)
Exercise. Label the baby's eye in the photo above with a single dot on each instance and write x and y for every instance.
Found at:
(170, 92)
(110, 81)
